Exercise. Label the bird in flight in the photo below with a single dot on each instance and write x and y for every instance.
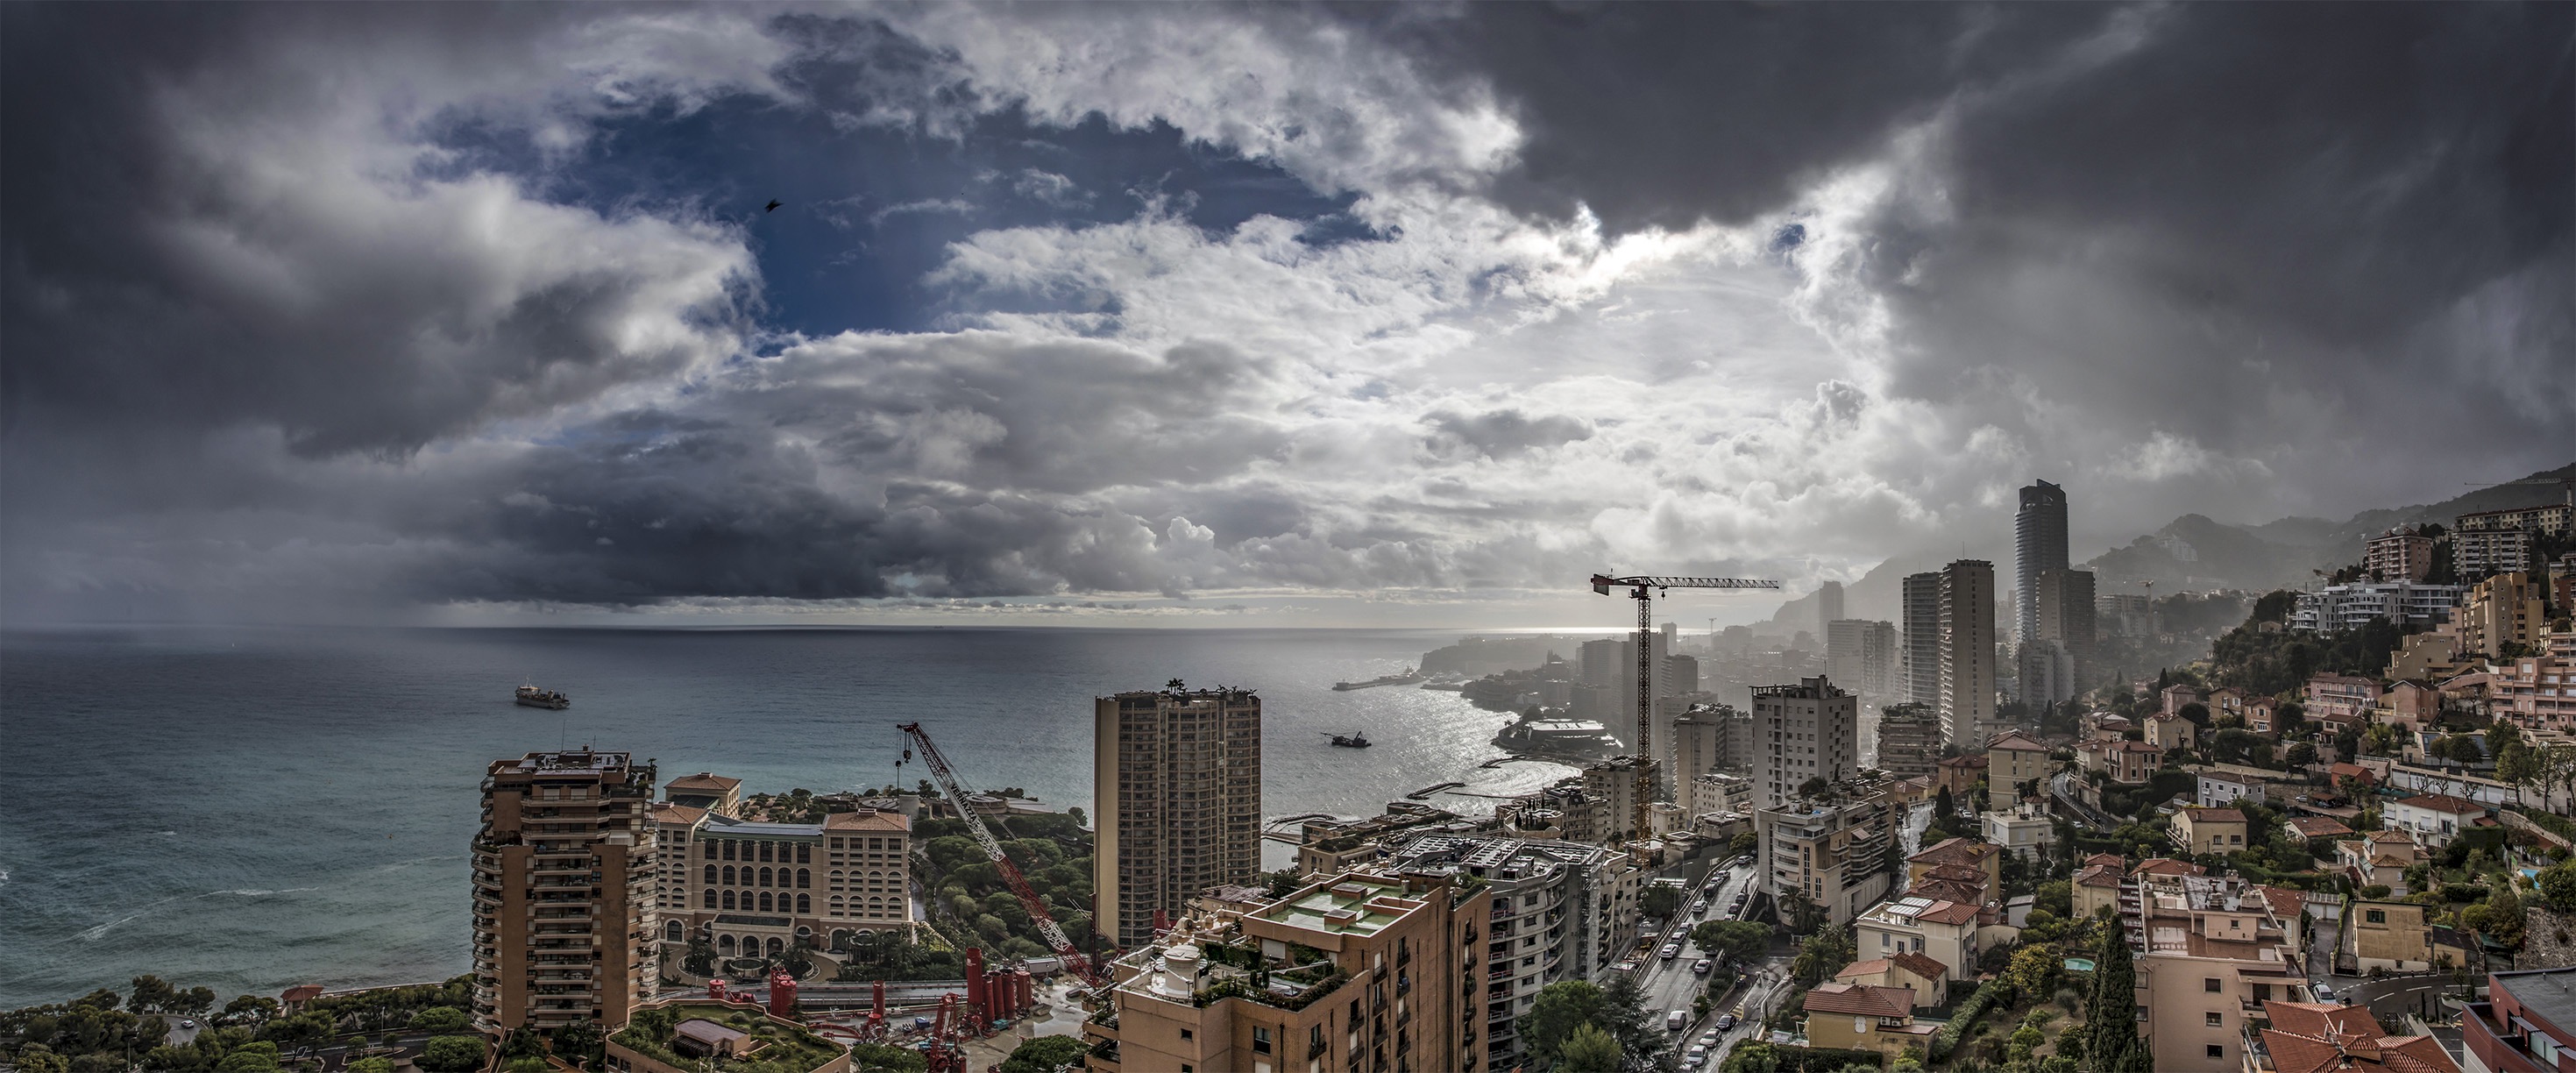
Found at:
(773, 205)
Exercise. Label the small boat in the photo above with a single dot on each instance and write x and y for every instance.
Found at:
(543, 698)
(1354, 740)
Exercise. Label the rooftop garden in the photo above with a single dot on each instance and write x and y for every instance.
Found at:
(782, 1048)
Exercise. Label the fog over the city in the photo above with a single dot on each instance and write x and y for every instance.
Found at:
(1153, 314)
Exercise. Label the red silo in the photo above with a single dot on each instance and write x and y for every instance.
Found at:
(782, 995)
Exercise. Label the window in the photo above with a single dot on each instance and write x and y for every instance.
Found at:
(805, 903)
(728, 876)
(804, 853)
(1185, 1033)
(728, 845)
(2209, 984)
(804, 877)
(2217, 1051)
(1260, 1039)
(711, 874)
(2211, 1019)
(2375, 916)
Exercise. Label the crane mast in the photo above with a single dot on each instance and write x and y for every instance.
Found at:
(1643, 589)
(1019, 884)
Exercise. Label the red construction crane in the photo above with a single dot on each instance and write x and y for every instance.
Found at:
(1643, 590)
(956, 790)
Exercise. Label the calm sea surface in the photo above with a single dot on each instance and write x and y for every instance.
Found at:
(247, 809)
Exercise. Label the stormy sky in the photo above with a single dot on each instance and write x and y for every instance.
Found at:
(1281, 314)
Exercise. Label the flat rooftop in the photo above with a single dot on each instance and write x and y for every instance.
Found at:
(1351, 907)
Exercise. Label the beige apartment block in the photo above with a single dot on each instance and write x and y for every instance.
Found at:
(1832, 846)
(1356, 972)
(2505, 609)
(2210, 951)
(1176, 800)
(565, 891)
(2016, 762)
(1945, 932)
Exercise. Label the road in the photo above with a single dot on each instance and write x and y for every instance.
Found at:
(2062, 787)
(1671, 985)
(2391, 998)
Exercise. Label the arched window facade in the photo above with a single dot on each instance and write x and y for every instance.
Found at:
(728, 899)
(710, 899)
(805, 903)
(711, 875)
(724, 944)
(674, 931)
(728, 845)
(764, 877)
(804, 878)
(728, 876)
(804, 853)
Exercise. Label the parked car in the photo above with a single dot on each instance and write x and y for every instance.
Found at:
(1708, 1039)
(187, 1022)
(1670, 951)
(2323, 992)
(1699, 908)
(1702, 967)
(1693, 1062)
(1725, 1022)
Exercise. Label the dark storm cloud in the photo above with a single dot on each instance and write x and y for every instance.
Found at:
(197, 241)
(1665, 114)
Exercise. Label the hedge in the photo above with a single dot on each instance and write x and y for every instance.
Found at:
(2550, 821)
(1947, 1040)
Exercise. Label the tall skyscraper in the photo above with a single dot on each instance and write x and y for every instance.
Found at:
(1967, 656)
(1805, 731)
(2066, 622)
(1829, 605)
(566, 886)
(1909, 740)
(1923, 639)
(2039, 544)
(1176, 801)
(1702, 738)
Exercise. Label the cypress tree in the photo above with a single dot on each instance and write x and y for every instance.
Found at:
(2112, 1044)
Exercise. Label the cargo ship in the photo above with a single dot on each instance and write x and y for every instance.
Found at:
(1357, 739)
(1409, 677)
(543, 698)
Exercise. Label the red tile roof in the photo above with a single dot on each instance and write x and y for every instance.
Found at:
(867, 821)
(1948, 913)
(2214, 815)
(2445, 803)
(1863, 999)
(1919, 965)
(703, 781)
(2309, 1037)
(2319, 827)
(2167, 866)
(1957, 851)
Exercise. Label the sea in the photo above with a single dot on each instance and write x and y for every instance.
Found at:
(251, 808)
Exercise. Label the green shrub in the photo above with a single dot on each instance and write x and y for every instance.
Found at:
(1963, 1020)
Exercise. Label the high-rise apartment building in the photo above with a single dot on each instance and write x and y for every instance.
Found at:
(2066, 617)
(565, 891)
(2039, 544)
(1681, 675)
(1832, 847)
(1829, 605)
(1561, 911)
(1806, 731)
(1967, 653)
(1922, 624)
(1176, 799)
(1862, 655)
(1353, 972)
(1702, 739)
(2476, 553)
(2400, 554)
(1909, 739)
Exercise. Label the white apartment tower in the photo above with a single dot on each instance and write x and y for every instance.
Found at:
(1967, 653)
(1805, 731)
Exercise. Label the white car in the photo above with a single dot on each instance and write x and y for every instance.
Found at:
(1670, 951)
(2323, 992)
(1708, 1039)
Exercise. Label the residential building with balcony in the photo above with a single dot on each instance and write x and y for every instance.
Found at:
(2476, 553)
(1960, 774)
(2526, 1025)
(2352, 606)
(2023, 830)
(1833, 846)
(2507, 609)
(2538, 692)
(2210, 951)
(2225, 784)
(2341, 696)
(1909, 739)
(1353, 972)
(1806, 731)
(2400, 554)
(1945, 932)
(1929, 980)
(1985, 859)
(2433, 819)
(1176, 797)
(565, 891)
(1556, 914)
